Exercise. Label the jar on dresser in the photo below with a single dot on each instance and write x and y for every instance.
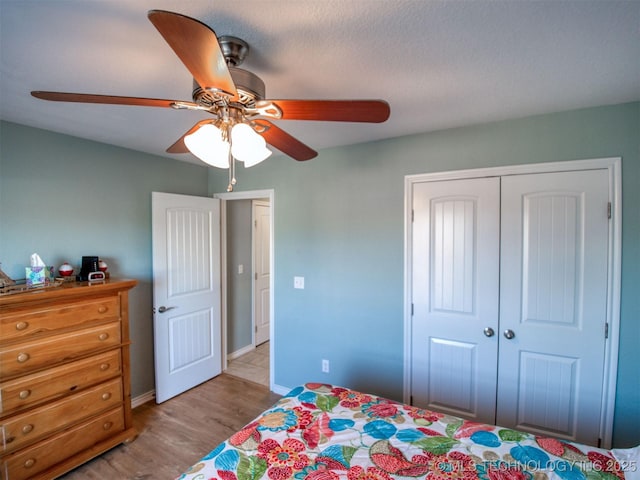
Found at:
(65, 394)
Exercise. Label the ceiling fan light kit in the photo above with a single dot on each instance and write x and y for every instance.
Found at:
(247, 145)
(208, 144)
(242, 123)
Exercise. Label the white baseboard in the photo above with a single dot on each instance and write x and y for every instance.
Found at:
(239, 353)
(280, 390)
(142, 399)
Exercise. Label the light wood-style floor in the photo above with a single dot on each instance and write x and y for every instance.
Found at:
(177, 433)
(252, 366)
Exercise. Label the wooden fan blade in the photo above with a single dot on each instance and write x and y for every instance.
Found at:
(281, 140)
(197, 47)
(179, 146)
(370, 111)
(106, 99)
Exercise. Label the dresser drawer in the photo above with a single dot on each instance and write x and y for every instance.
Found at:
(55, 349)
(26, 428)
(59, 381)
(27, 463)
(21, 324)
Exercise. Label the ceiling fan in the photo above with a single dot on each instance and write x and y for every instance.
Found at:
(234, 97)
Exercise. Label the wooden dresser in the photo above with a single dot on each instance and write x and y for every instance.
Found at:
(65, 393)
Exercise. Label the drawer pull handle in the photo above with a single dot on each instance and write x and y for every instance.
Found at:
(104, 366)
(106, 396)
(102, 309)
(28, 428)
(30, 463)
(24, 394)
(23, 357)
(107, 425)
(103, 336)
(21, 325)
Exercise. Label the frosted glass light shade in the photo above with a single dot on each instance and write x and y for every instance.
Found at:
(207, 144)
(247, 145)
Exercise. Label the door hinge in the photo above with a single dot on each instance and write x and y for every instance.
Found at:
(599, 443)
(412, 216)
(255, 275)
(606, 330)
(412, 309)
(255, 223)
(411, 400)
(609, 210)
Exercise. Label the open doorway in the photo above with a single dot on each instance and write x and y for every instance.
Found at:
(247, 284)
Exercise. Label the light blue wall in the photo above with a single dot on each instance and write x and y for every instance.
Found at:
(238, 284)
(64, 197)
(339, 223)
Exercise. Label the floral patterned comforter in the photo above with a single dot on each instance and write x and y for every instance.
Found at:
(324, 432)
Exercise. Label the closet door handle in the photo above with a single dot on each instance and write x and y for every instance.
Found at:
(489, 332)
(508, 334)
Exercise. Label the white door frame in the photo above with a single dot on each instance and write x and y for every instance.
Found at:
(613, 165)
(247, 195)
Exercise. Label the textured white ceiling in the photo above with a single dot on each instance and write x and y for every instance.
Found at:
(439, 64)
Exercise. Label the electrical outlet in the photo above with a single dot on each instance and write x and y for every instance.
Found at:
(298, 282)
(325, 366)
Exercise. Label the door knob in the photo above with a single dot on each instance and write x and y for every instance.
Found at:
(489, 332)
(508, 334)
(163, 309)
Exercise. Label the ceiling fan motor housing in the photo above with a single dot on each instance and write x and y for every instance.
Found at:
(249, 86)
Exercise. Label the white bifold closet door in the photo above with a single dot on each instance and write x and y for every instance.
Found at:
(553, 296)
(456, 248)
(510, 299)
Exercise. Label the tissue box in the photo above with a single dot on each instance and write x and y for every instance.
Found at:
(38, 275)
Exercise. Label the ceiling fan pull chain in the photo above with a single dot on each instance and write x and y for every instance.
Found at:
(232, 172)
(226, 135)
(231, 175)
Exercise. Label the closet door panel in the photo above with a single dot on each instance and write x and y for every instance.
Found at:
(455, 296)
(553, 298)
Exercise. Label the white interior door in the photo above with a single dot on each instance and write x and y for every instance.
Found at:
(262, 270)
(186, 291)
(554, 251)
(455, 248)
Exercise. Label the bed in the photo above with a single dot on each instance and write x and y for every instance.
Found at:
(324, 432)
